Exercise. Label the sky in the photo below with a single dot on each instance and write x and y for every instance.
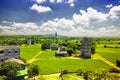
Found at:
(94, 18)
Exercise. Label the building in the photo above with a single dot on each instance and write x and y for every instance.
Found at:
(61, 52)
(86, 44)
(7, 52)
(29, 41)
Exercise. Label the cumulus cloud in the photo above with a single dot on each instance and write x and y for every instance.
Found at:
(71, 1)
(90, 16)
(59, 1)
(52, 1)
(72, 5)
(40, 9)
(84, 23)
(109, 6)
(39, 1)
(115, 12)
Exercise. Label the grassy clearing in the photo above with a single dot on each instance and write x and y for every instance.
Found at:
(72, 76)
(50, 66)
(47, 54)
(112, 54)
(27, 52)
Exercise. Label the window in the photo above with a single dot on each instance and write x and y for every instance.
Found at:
(16, 51)
(9, 51)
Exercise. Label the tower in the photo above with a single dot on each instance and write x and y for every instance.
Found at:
(86, 48)
(29, 41)
(56, 37)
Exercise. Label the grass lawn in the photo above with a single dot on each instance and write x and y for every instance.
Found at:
(47, 54)
(112, 54)
(72, 76)
(28, 52)
(50, 66)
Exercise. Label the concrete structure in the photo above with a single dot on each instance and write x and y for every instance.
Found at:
(61, 52)
(8, 52)
(29, 41)
(86, 48)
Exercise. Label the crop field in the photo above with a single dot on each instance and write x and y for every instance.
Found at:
(112, 54)
(27, 52)
(49, 66)
(47, 54)
(72, 76)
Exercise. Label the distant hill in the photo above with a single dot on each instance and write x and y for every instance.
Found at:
(52, 35)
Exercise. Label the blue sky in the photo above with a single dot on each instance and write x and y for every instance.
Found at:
(67, 17)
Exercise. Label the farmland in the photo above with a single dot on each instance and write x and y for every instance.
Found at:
(49, 64)
(27, 52)
(112, 54)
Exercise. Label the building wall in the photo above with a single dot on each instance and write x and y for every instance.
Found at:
(11, 53)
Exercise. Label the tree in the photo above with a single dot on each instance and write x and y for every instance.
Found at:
(45, 45)
(118, 63)
(70, 51)
(3, 78)
(92, 50)
(33, 70)
(9, 70)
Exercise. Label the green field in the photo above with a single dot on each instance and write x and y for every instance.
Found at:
(112, 54)
(49, 66)
(72, 76)
(47, 54)
(27, 52)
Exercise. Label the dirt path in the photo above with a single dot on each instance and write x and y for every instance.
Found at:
(34, 58)
(107, 61)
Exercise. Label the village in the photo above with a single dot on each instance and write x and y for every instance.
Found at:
(12, 53)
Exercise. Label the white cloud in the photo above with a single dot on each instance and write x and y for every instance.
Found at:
(86, 23)
(40, 8)
(89, 17)
(109, 6)
(72, 5)
(71, 1)
(39, 1)
(59, 1)
(52, 1)
(115, 12)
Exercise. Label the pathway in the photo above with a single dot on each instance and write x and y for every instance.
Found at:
(107, 61)
(34, 58)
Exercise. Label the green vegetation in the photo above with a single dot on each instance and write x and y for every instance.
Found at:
(33, 70)
(27, 52)
(39, 54)
(47, 54)
(49, 66)
(9, 70)
(112, 54)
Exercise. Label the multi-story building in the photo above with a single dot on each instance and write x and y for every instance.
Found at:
(86, 48)
(8, 52)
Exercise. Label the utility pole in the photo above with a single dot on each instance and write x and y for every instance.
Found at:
(56, 37)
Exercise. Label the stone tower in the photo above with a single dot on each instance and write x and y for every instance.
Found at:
(86, 44)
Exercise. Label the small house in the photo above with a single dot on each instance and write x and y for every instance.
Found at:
(61, 52)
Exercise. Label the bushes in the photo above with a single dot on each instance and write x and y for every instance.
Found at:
(9, 70)
(96, 75)
(118, 63)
